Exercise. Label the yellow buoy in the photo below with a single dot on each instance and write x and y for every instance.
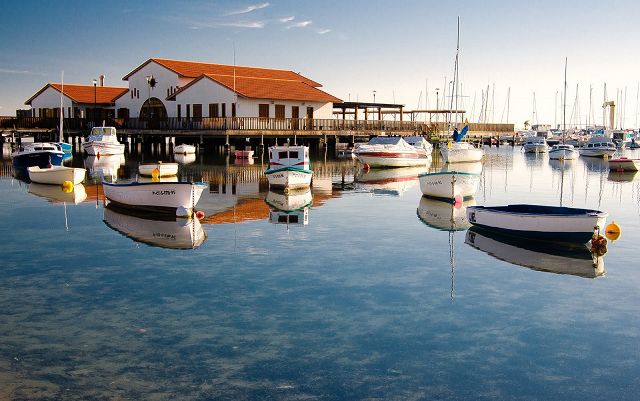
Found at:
(155, 173)
(67, 186)
(613, 231)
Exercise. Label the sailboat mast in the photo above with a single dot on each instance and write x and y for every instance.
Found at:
(456, 79)
(564, 103)
(61, 107)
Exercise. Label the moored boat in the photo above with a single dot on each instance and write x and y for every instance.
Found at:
(545, 256)
(454, 183)
(535, 144)
(289, 167)
(564, 224)
(178, 198)
(390, 151)
(184, 149)
(247, 153)
(159, 169)
(598, 146)
(461, 152)
(41, 154)
(563, 151)
(103, 141)
(421, 144)
(624, 164)
(56, 175)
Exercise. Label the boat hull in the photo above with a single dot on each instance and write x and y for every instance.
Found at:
(56, 175)
(243, 154)
(449, 185)
(541, 222)
(95, 148)
(563, 154)
(41, 159)
(169, 197)
(392, 159)
(289, 178)
(184, 149)
(535, 148)
(624, 164)
(461, 152)
(163, 169)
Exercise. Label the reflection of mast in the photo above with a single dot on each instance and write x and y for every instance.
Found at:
(452, 260)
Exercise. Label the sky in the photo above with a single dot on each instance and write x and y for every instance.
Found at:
(402, 50)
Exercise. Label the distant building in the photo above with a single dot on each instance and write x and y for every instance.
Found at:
(161, 88)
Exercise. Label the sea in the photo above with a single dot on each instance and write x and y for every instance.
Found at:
(358, 289)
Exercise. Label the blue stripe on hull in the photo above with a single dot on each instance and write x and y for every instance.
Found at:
(573, 237)
(38, 159)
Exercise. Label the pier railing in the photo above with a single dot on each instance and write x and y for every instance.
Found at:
(313, 126)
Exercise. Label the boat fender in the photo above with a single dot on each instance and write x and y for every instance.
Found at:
(155, 173)
(457, 201)
(598, 245)
(200, 215)
(67, 186)
(613, 231)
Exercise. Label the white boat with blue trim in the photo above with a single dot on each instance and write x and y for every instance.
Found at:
(40, 154)
(598, 146)
(558, 223)
(289, 167)
(179, 198)
(103, 141)
(562, 151)
(535, 144)
(56, 175)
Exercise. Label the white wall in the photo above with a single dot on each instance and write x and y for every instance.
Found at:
(164, 79)
(50, 99)
(207, 91)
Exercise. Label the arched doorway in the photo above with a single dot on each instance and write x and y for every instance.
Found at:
(153, 109)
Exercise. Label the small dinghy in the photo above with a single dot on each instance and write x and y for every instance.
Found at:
(56, 175)
(564, 224)
(184, 149)
(159, 169)
(624, 164)
(179, 198)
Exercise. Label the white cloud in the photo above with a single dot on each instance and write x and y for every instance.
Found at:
(245, 24)
(21, 72)
(286, 19)
(249, 9)
(301, 24)
(323, 31)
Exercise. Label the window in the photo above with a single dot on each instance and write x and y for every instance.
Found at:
(233, 109)
(263, 110)
(213, 110)
(309, 112)
(283, 155)
(280, 111)
(224, 109)
(188, 111)
(293, 154)
(197, 111)
(179, 111)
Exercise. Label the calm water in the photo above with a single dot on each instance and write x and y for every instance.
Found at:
(369, 300)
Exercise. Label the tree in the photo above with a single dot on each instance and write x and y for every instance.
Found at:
(526, 124)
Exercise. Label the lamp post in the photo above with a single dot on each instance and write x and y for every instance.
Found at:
(95, 90)
(437, 106)
(374, 96)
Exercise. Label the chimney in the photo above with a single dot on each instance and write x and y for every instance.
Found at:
(102, 80)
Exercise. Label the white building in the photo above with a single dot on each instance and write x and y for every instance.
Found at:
(173, 88)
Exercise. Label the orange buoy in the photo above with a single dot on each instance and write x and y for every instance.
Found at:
(200, 215)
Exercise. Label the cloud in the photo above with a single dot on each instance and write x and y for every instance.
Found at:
(245, 24)
(323, 31)
(301, 24)
(21, 72)
(286, 19)
(249, 9)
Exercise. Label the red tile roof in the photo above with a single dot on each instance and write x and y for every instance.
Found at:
(85, 93)
(193, 69)
(266, 88)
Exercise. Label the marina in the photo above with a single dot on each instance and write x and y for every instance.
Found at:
(227, 296)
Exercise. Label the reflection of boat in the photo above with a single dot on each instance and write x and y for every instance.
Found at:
(103, 141)
(243, 161)
(184, 149)
(56, 175)
(184, 158)
(454, 181)
(390, 151)
(559, 223)
(624, 164)
(574, 259)
(388, 181)
(289, 167)
(247, 153)
(289, 208)
(622, 176)
(56, 194)
(172, 178)
(155, 230)
(178, 198)
(561, 164)
(444, 215)
(39, 154)
(159, 169)
(596, 164)
(104, 166)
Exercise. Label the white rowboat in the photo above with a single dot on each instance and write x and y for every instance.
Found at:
(461, 152)
(159, 169)
(56, 175)
(184, 149)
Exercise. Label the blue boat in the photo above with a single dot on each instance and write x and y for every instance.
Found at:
(39, 154)
(65, 147)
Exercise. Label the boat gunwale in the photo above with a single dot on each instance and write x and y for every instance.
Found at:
(583, 212)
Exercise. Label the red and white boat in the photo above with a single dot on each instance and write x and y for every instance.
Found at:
(624, 164)
(247, 153)
(390, 151)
